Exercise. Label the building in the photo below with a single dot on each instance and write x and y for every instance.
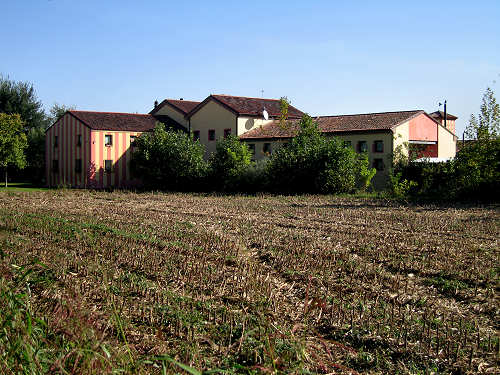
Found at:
(380, 135)
(221, 115)
(93, 149)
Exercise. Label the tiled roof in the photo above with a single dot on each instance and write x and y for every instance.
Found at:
(254, 106)
(440, 115)
(183, 106)
(336, 124)
(115, 121)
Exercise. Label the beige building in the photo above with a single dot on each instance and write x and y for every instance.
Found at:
(255, 121)
(380, 135)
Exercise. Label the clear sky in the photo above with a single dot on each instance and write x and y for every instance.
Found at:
(327, 57)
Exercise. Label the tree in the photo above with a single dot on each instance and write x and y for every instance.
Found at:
(168, 160)
(229, 163)
(313, 163)
(487, 124)
(20, 98)
(284, 104)
(12, 142)
(56, 111)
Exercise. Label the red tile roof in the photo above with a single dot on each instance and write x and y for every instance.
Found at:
(440, 115)
(336, 124)
(115, 121)
(183, 106)
(242, 105)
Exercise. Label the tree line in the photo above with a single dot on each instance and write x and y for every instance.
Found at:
(309, 163)
(23, 122)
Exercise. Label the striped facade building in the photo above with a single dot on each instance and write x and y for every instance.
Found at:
(93, 149)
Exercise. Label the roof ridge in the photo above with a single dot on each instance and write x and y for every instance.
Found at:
(372, 113)
(246, 97)
(183, 100)
(111, 113)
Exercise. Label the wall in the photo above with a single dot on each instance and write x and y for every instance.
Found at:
(167, 110)
(213, 116)
(422, 128)
(66, 129)
(259, 147)
(447, 143)
(246, 123)
(119, 152)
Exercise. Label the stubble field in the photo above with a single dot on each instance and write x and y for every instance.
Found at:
(96, 282)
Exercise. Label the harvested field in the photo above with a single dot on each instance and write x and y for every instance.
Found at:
(93, 282)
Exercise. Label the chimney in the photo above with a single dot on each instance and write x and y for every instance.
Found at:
(156, 103)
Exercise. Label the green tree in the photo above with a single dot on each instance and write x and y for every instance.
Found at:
(12, 142)
(229, 163)
(168, 160)
(56, 111)
(365, 174)
(487, 124)
(284, 104)
(313, 163)
(20, 98)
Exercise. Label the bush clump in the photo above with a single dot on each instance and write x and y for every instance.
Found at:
(229, 165)
(312, 163)
(169, 160)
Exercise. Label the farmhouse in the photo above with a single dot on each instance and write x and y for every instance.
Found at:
(93, 149)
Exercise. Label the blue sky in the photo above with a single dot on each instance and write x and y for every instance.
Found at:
(327, 57)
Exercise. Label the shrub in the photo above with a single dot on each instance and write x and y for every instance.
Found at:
(168, 160)
(312, 163)
(229, 163)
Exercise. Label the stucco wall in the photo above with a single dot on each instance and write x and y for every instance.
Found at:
(401, 138)
(259, 147)
(447, 143)
(92, 152)
(422, 128)
(167, 110)
(119, 152)
(66, 129)
(246, 123)
(212, 116)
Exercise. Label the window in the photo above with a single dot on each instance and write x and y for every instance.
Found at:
(132, 140)
(78, 165)
(196, 135)
(211, 135)
(378, 164)
(79, 140)
(267, 149)
(347, 144)
(108, 140)
(251, 147)
(378, 146)
(108, 166)
(56, 141)
(362, 146)
(55, 166)
(227, 133)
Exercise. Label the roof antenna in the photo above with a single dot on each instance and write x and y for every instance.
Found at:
(264, 112)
